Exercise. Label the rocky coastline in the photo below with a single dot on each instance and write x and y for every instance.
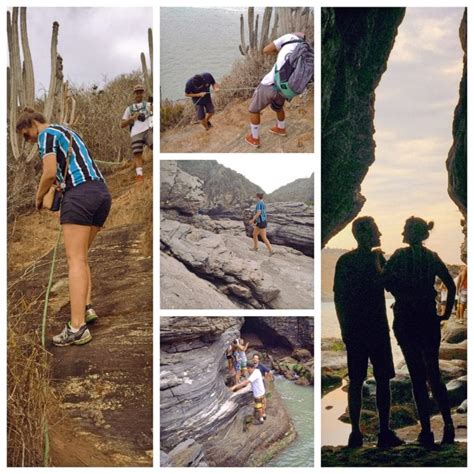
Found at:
(203, 423)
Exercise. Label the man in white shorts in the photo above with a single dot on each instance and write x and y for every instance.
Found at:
(265, 94)
(258, 390)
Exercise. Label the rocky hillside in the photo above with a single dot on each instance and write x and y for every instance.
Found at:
(222, 186)
(209, 257)
(300, 190)
(355, 47)
(203, 423)
(232, 124)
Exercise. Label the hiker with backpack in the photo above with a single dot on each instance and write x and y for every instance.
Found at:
(138, 118)
(290, 75)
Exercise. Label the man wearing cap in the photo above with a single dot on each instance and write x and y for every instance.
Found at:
(199, 88)
(138, 118)
(258, 390)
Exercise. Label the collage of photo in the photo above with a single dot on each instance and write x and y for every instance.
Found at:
(282, 283)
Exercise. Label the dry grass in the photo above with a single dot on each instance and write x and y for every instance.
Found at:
(29, 394)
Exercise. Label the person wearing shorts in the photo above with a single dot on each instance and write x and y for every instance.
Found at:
(461, 288)
(84, 210)
(260, 225)
(360, 307)
(138, 117)
(199, 88)
(266, 95)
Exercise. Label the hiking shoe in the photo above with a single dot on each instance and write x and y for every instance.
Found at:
(448, 434)
(271, 253)
(67, 337)
(91, 316)
(255, 142)
(253, 249)
(355, 440)
(388, 439)
(426, 439)
(209, 125)
(278, 131)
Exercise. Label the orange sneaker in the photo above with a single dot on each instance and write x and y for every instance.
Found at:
(278, 131)
(255, 142)
(139, 179)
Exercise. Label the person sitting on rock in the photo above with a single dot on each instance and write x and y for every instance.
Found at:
(360, 306)
(260, 222)
(410, 275)
(199, 88)
(258, 390)
(266, 93)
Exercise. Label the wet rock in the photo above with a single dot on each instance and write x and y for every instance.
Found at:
(450, 369)
(453, 351)
(335, 360)
(457, 390)
(462, 408)
(284, 280)
(186, 454)
(356, 44)
(181, 289)
(179, 190)
(454, 333)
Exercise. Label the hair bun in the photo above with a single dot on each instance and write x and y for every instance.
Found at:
(430, 225)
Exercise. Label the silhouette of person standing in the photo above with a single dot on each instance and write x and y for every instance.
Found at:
(360, 306)
(410, 276)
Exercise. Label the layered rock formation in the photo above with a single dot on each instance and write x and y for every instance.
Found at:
(206, 256)
(456, 163)
(356, 43)
(249, 279)
(202, 421)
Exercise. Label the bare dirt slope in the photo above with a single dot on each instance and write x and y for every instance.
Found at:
(232, 124)
(104, 389)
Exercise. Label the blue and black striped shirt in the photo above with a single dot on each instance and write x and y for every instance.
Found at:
(55, 139)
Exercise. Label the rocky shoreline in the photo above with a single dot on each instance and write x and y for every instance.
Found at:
(203, 423)
(453, 365)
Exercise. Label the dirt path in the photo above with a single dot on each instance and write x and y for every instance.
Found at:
(104, 413)
(232, 124)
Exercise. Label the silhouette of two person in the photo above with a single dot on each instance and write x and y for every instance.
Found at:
(360, 279)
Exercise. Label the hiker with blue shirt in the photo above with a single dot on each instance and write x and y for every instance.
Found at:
(85, 206)
(289, 76)
(260, 225)
(199, 89)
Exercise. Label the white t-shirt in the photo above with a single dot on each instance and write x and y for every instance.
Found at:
(256, 380)
(139, 127)
(281, 58)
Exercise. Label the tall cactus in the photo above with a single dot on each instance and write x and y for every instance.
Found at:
(28, 76)
(148, 74)
(255, 46)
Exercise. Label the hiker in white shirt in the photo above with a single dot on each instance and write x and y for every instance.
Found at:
(258, 390)
(265, 94)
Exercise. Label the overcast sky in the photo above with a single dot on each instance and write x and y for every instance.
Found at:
(414, 106)
(93, 42)
(271, 172)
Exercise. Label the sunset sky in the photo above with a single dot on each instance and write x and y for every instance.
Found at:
(414, 105)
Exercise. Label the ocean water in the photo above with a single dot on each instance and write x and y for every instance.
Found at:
(299, 401)
(196, 40)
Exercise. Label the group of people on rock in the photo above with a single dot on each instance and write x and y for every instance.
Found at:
(362, 275)
(245, 373)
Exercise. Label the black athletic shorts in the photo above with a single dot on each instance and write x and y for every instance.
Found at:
(262, 225)
(378, 350)
(204, 106)
(86, 204)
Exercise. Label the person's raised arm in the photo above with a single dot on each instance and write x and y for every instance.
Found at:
(239, 386)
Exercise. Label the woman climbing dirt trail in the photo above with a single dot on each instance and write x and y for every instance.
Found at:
(103, 389)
